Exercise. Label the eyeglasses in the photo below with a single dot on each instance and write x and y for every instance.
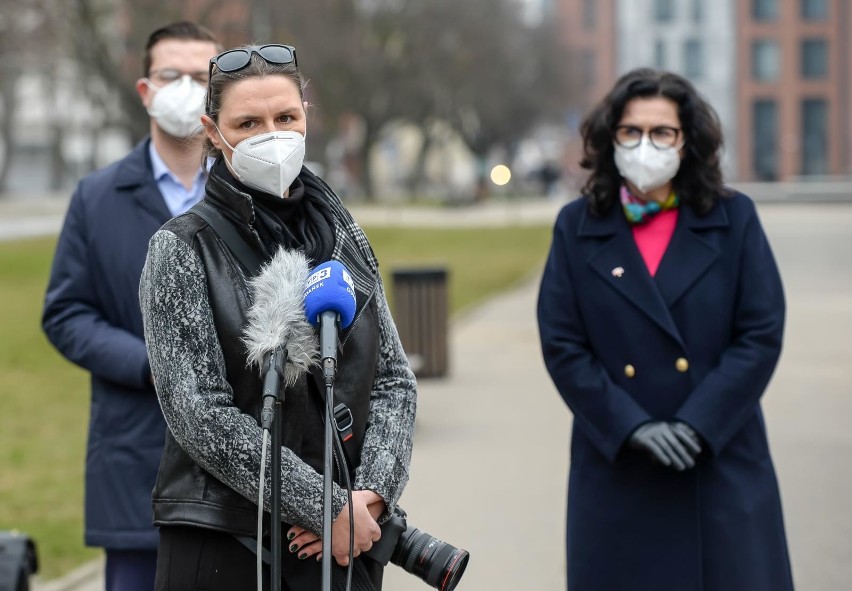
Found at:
(662, 137)
(234, 60)
(168, 75)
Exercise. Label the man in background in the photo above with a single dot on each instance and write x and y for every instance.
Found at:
(91, 311)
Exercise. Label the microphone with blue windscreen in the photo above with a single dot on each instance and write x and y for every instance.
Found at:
(329, 299)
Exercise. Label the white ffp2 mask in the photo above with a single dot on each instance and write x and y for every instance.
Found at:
(268, 162)
(646, 166)
(178, 107)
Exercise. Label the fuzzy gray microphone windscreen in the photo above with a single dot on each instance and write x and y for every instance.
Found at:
(277, 315)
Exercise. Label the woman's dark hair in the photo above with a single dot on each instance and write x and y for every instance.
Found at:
(698, 182)
(257, 68)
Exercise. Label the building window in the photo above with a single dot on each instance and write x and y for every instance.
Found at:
(764, 10)
(693, 66)
(814, 58)
(814, 10)
(765, 60)
(765, 140)
(590, 14)
(660, 54)
(814, 136)
(663, 10)
(697, 11)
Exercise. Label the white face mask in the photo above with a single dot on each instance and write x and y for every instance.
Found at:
(178, 107)
(268, 162)
(645, 166)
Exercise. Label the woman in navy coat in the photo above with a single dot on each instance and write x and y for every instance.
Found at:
(661, 313)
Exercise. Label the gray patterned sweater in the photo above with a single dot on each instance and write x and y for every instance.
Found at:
(198, 402)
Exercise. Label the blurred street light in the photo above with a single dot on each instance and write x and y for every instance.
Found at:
(500, 175)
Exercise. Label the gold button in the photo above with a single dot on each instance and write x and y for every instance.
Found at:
(682, 364)
(629, 371)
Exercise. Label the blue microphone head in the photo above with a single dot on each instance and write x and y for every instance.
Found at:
(330, 288)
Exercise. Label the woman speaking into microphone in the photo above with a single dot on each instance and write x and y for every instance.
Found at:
(196, 293)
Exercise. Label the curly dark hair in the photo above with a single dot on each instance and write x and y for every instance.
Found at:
(698, 182)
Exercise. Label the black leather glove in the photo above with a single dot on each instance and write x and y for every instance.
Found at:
(688, 435)
(671, 444)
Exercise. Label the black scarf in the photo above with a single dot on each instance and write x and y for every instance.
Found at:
(302, 221)
(340, 232)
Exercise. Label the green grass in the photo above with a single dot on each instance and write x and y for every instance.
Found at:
(44, 400)
(480, 261)
(44, 407)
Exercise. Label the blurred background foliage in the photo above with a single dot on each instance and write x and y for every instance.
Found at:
(474, 75)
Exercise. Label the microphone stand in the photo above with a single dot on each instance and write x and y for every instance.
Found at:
(328, 344)
(270, 417)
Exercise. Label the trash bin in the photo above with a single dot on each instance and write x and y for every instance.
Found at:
(422, 318)
(18, 560)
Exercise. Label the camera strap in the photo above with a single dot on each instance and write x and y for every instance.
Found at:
(251, 544)
(225, 230)
(343, 422)
(343, 429)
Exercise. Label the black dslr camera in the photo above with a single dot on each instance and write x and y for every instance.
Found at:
(439, 564)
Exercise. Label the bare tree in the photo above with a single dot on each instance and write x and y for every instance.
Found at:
(22, 24)
(102, 42)
(472, 63)
(107, 40)
(9, 73)
(510, 79)
(350, 49)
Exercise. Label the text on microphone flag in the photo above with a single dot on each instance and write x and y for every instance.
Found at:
(318, 275)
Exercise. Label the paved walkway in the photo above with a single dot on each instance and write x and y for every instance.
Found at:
(490, 460)
(23, 217)
(491, 452)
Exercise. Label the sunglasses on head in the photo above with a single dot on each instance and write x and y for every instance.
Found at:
(234, 60)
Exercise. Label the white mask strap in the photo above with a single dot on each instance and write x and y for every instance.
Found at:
(223, 137)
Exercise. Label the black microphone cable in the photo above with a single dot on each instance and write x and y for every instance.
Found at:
(265, 435)
(343, 466)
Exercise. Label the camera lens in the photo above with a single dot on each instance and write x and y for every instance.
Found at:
(439, 564)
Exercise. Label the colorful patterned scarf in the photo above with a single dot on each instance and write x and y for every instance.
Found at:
(638, 212)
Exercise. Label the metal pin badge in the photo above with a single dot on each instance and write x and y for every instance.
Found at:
(618, 272)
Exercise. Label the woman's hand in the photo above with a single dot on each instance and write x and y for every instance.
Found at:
(671, 444)
(366, 528)
(375, 503)
(304, 543)
(367, 507)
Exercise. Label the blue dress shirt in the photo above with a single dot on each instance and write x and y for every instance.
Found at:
(177, 198)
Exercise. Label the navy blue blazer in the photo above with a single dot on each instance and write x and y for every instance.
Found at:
(92, 316)
(697, 342)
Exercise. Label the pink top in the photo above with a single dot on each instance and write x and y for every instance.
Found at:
(653, 237)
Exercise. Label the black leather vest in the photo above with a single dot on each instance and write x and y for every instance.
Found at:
(185, 493)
